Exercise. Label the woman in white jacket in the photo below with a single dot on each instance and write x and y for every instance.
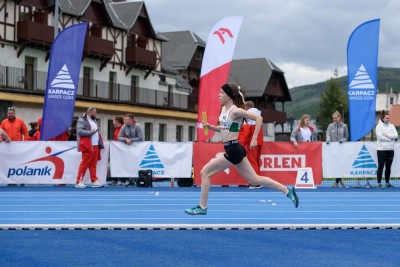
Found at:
(386, 135)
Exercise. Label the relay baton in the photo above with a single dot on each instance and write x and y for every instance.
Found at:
(205, 128)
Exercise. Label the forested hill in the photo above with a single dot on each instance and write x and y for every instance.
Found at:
(306, 98)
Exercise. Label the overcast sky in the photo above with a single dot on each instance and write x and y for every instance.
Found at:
(307, 39)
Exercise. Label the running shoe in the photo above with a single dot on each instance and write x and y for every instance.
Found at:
(80, 185)
(254, 187)
(293, 196)
(97, 184)
(113, 183)
(389, 185)
(196, 211)
(380, 186)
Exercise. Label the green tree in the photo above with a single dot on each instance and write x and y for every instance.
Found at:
(332, 99)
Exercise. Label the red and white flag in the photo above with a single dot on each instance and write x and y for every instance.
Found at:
(215, 70)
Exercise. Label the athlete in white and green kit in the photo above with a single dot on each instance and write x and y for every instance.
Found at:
(230, 120)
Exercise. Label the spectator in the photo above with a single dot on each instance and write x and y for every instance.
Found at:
(386, 135)
(337, 132)
(34, 133)
(89, 143)
(118, 121)
(61, 137)
(131, 132)
(4, 137)
(72, 131)
(14, 127)
(245, 135)
(303, 132)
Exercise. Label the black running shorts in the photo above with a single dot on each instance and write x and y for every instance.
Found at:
(234, 152)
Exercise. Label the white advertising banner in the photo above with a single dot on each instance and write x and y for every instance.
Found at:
(354, 160)
(40, 162)
(165, 159)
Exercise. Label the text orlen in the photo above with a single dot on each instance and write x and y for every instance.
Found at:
(26, 171)
(282, 162)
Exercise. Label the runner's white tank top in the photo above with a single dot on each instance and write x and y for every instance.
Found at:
(226, 124)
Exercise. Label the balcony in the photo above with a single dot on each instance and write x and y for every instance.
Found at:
(35, 34)
(32, 82)
(96, 47)
(138, 57)
(273, 116)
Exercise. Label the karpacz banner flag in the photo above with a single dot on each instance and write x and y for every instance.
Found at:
(362, 64)
(215, 70)
(62, 81)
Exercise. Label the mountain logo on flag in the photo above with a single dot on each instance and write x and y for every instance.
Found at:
(362, 80)
(63, 79)
(151, 160)
(364, 160)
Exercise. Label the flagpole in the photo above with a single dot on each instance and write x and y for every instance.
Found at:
(56, 15)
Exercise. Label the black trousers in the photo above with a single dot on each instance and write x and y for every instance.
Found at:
(385, 159)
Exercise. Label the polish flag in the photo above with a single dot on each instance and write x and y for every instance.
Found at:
(215, 70)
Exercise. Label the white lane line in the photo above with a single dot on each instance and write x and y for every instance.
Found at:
(205, 219)
(174, 210)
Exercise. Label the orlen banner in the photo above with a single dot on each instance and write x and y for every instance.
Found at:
(279, 161)
(40, 162)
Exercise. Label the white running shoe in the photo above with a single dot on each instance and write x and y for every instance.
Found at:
(251, 187)
(80, 185)
(97, 184)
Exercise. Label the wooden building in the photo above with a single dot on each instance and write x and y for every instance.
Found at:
(127, 67)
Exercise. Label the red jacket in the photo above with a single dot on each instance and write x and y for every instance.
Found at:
(15, 129)
(116, 132)
(246, 134)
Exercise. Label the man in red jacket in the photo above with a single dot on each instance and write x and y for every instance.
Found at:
(245, 135)
(14, 127)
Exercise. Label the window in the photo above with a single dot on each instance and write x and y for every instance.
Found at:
(28, 80)
(25, 13)
(96, 30)
(87, 76)
(112, 83)
(148, 131)
(391, 100)
(162, 78)
(191, 133)
(134, 87)
(170, 96)
(110, 130)
(162, 133)
(179, 133)
(141, 42)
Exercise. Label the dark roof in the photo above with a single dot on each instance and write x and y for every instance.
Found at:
(74, 7)
(179, 50)
(253, 75)
(122, 15)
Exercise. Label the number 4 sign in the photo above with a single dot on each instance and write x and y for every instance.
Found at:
(305, 178)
